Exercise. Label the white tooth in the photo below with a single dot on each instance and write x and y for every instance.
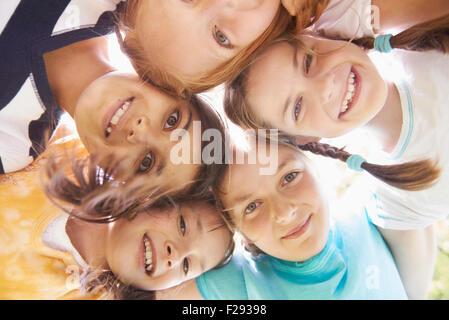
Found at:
(149, 268)
(126, 105)
(351, 80)
(148, 255)
(351, 87)
(114, 120)
(348, 95)
(120, 112)
(108, 129)
(148, 261)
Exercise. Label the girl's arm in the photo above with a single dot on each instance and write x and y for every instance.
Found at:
(405, 13)
(414, 252)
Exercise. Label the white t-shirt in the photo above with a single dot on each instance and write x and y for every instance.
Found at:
(29, 29)
(347, 19)
(55, 237)
(424, 134)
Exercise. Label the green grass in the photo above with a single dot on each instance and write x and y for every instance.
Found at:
(440, 285)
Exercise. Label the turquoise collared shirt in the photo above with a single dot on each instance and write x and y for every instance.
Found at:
(355, 264)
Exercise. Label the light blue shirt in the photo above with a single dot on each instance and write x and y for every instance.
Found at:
(355, 264)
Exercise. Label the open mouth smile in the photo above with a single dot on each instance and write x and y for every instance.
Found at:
(352, 93)
(148, 256)
(113, 117)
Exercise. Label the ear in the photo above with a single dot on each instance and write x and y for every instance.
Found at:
(301, 140)
(292, 6)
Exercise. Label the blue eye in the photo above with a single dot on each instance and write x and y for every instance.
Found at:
(289, 178)
(252, 206)
(221, 38)
(297, 109)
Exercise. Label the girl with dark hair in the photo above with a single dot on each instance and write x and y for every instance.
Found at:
(160, 247)
(316, 88)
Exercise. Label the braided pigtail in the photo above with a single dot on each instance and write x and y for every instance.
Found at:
(412, 176)
(429, 35)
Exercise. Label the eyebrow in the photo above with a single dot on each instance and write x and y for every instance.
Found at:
(161, 167)
(189, 122)
(200, 230)
(279, 169)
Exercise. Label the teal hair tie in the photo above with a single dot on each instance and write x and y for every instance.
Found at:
(382, 43)
(355, 162)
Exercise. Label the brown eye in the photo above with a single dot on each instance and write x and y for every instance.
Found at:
(307, 62)
(185, 266)
(147, 163)
(182, 225)
(172, 120)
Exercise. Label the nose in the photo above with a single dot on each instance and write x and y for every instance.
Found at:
(326, 86)
(284, 211)
(173, 254)
(137, 130)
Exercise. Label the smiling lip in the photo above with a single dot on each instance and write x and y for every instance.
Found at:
(112, 110)
(142, 255)
(353, 102)
(299, 229)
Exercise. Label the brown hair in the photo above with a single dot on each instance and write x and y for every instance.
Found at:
(429, 35)
(308, 12)
(94, 281)
(82, 189)
(412, 176)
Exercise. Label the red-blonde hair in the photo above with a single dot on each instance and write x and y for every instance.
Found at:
(171, 83)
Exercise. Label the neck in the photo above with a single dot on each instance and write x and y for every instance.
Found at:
(71, 69)
(387, 124)
(89, 239)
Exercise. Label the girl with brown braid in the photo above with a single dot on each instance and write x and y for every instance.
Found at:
(304, 246)
(311, 88)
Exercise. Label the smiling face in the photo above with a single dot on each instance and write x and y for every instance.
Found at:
(285, 214)
(118, 114)
(162, 248)
(324, 95)
(189, 38)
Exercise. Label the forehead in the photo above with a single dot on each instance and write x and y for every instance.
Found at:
(247, 178)
(164, 27)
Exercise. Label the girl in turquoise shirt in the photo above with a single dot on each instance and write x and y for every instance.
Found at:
(298, 249)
